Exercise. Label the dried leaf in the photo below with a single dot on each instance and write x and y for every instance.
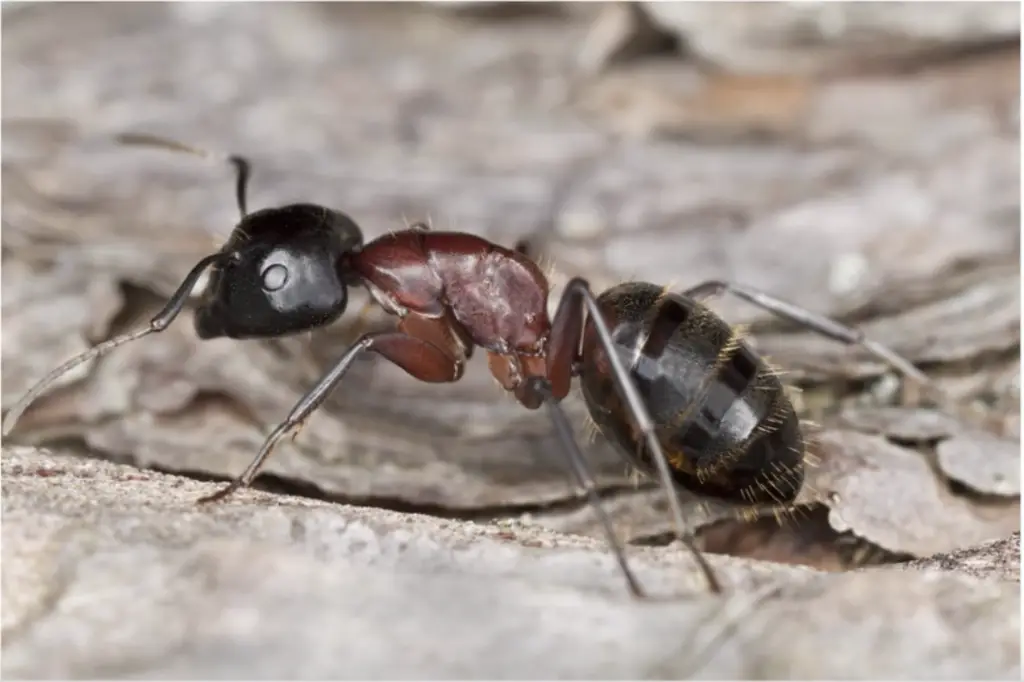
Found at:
(890, 496)
(905, 424)
(883, 493)
(983, 462)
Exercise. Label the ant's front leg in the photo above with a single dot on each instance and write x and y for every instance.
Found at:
(161, 321)
(421, 359)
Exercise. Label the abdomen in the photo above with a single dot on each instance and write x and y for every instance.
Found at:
(724, 420)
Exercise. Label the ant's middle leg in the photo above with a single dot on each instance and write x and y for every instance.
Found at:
(421, 359)
(539, 389)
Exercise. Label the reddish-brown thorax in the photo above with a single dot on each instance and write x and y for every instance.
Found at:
(497, 297)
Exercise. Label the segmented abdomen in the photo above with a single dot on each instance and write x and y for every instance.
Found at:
(723, 418)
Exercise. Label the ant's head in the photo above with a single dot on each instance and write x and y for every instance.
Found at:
(281, 272)
(284, 270)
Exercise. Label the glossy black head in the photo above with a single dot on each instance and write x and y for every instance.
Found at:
(283, 274)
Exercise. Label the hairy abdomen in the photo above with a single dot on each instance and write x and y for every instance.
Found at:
(722, 415)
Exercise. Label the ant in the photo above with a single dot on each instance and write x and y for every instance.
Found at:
(669, 382)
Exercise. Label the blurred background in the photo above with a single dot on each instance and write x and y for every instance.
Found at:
(859, 159)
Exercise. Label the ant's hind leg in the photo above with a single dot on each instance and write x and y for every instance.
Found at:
(839, 332)
(815, 322)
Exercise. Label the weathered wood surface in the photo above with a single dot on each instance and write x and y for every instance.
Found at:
(881, 190)
(885, 197)
(116, 569)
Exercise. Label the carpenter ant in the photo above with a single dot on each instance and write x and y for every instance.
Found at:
(664, 378)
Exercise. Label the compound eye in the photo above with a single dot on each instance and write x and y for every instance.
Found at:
(275, 277)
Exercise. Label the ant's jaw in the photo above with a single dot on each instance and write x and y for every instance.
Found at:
(207, 325)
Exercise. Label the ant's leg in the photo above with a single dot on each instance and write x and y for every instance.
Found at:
(566, 331)
(813, 321)
(243, 167)
(161, 321)
(421, 359)
(843, 333)
(582, 474)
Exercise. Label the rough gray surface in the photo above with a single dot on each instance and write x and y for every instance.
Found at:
(886, 194)
(998, 559)
(783, 37)
(879, 491)
(911, 218)
(116, 569)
